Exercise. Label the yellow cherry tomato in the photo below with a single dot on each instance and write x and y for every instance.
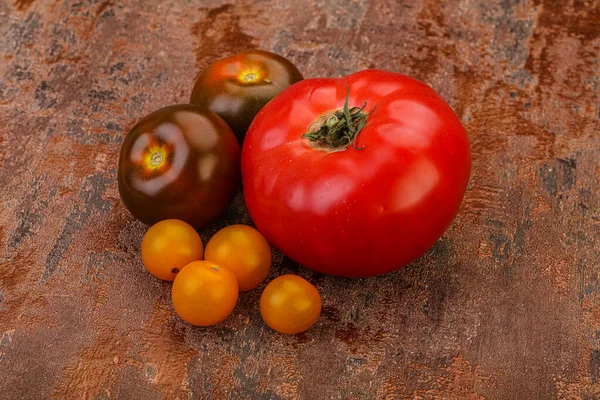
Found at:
(168, 246)
(204, 293)
(290, 304)
(244, 251)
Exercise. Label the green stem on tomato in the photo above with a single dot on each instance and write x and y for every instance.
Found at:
(337, 130)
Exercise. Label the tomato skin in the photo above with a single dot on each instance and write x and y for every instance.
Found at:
(237, 87)
(204, 294)
(242, 250)
(180, 162)
(168, 246)
(356, 213)
(290, 304)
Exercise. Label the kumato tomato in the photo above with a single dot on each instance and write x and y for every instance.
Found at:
(168, 246)
(180, 162)
(356, 176)
(244, 251)
(237, 87)
(290, 304)
(204, 293)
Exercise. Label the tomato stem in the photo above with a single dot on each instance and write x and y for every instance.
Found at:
(156, 159)
(250, 77)
(337, 130)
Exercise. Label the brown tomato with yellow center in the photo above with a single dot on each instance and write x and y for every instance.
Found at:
(237, 87)
(180, 162)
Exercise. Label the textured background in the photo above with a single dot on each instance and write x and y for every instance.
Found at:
(505, 306)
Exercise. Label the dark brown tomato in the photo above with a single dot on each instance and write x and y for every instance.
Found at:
(237, 87)
(180, 162)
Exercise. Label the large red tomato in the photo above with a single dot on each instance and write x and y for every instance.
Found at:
(353, 191)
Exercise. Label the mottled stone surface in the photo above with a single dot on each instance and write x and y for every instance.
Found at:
(505, 306)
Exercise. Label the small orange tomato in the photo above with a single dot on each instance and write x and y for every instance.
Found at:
(168, 246)
(290, 304)
(244, 251)
(204, 294)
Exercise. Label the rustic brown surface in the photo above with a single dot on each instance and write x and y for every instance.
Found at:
(505, 306)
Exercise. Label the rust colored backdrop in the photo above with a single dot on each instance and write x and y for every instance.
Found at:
(505, 306)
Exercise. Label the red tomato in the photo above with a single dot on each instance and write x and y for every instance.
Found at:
(351, 204)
